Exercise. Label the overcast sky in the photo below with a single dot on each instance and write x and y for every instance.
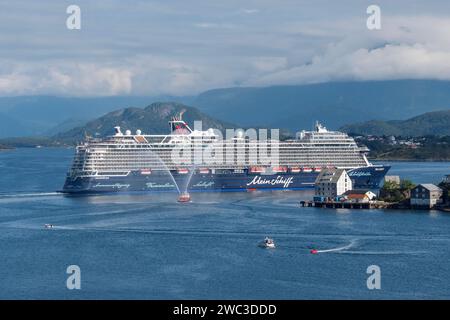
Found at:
(184, 47)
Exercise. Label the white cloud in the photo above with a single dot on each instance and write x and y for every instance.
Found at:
(185, 48)
(209, 25)
(406, 48)
(67, 79)
(268, 64)
(249, 11)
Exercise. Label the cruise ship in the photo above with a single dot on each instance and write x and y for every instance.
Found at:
(136, 162)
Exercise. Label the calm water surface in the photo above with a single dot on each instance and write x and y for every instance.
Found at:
(151, 247)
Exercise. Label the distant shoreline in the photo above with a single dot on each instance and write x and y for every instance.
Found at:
(409, 160)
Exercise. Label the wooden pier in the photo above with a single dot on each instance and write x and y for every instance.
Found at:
(345, 204)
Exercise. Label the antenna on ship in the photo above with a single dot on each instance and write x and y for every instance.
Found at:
(181, 114)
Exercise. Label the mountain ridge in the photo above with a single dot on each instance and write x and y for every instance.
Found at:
(293, 107)
(430, 123)
(152, 119)
(333, 103)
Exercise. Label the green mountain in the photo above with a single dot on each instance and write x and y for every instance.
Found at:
(431, 123)
(150, 120)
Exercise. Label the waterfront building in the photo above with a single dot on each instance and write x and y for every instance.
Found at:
(394, 179)
(332, 183)
(425, 196)
(359, 195)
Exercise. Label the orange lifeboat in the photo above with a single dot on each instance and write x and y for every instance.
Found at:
(146, 171)
(183, 171)
(256, 169)
(307, 169)
(279, 169)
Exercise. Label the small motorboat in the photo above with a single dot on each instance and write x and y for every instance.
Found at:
(48, 226)
(267, 243)
(314, 251)
(184, 197)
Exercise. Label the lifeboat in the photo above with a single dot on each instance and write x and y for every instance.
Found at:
(256, 169)
(183, 171)
(295, 169)
(204, 170)
(307, 170)
(317, 169)
(279, 169)
(184, 197)
(146, 171)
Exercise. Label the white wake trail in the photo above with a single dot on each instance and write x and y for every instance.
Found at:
(36, 194)
(350, 245)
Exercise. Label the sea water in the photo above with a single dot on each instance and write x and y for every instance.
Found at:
(149, 246)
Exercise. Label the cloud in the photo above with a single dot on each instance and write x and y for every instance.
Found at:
(66, 79)
(152, 48)
(209, 25)
(249, 11)
(407, 48)
(388, 62)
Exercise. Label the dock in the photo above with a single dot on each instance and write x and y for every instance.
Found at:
(345, 204)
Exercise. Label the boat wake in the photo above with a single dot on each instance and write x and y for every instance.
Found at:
(349, 246)
(380, 253)
(28, 195)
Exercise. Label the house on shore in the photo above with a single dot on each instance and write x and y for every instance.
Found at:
(425, 196)
(332, 183)
(359, 195)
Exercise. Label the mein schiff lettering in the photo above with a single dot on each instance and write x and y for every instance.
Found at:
(258, 180)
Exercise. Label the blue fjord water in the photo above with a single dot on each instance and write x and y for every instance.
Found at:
(151, 247)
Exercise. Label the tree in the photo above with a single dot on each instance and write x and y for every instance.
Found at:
(394, 192)
(406, 185)
(390, 186)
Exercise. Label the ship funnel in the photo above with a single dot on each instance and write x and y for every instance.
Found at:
(117, 131)
(320, 127)
(177, 125)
